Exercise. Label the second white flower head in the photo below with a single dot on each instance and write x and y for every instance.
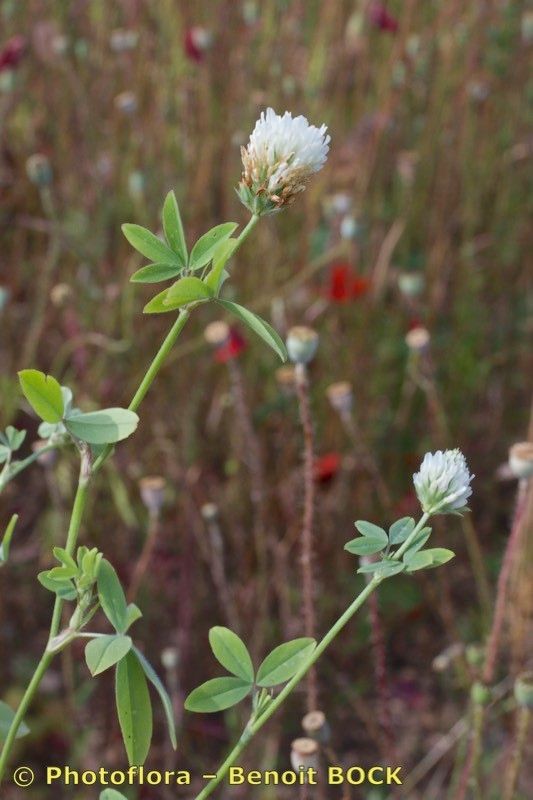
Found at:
(282, 154)
(443, 482)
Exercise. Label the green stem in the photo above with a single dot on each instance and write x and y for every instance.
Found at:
(150, 375)
(271, 709)
(418, 527)
(78, 508)
(21, 710)
(248, 228)
(18, 466)
(72, 537)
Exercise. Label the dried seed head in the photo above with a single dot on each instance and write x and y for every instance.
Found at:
(59, 44)
(60, 294)
(316, 726)
(209, 511)
(136, 184)
(278, 161)
(406, 164)
(39, 170)
(443, 661)
(122, 40)
(302, 344)
(152, 489)
(340, 395)
(170, 658)
(418, 339)
(217, 333)
(526, 26)
(126, 103)
(349, 227)
(523, 690)
(521, 460)
(411, 284)
(304, 754)
(338, 203)
(286, 379)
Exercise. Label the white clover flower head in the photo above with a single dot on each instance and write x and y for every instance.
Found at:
(280, 157)
(443, 482)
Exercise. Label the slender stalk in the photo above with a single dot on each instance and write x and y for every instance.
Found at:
(256, 724)
(493, 645)
(78, 508)
(18, 466)
(246, 231)
(149, 376)
(522, 725)
(308, 587)
(45, 279)
(381, 676)
(470, 775)
(144, 559)
(72, 537)
(252, 457)
(165, 349)
(364, 455)
(215, 560)
(74, 527)
(477, 562)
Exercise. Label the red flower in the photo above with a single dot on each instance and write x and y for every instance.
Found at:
(196, 43)
(345, 284)
(382, 19)
(230, 349)
(12, 53)
(326, 467)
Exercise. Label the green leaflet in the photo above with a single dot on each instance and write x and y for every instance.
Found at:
(134, 708)
(284, 661)
(43, 393)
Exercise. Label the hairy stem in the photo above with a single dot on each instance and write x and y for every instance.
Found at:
(308, 587)
(144, 559)
(493, 645)
(511, 779)
(381, 676)
(470, 775)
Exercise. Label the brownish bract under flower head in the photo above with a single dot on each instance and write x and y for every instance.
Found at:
(152, 489)
(340, 395)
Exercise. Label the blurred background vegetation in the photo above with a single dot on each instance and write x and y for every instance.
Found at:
(419, 220)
